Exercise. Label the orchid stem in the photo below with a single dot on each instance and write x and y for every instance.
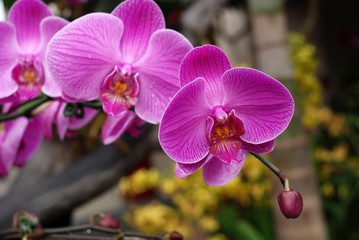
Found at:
(282, 177)
(70, 233)
(25, 108)
(92, 104)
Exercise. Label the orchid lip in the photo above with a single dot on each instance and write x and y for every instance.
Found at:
(119, 90)
(225, 142)
(28, 74)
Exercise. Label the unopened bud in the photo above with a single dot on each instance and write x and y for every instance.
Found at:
(175, 236)
(108, 221)
(290, 203)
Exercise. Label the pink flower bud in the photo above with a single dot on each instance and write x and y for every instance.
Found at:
(108, 221)
(290, 203)
(175, 236)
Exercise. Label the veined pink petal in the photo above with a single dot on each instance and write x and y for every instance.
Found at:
(184, 170)
(217, 173)
(8, 59)
(263, 104)
(83, 53)
(114, 127)
(49, 26)
(30, 142)
(209, 62)
(77, 123)
(50, 87)
(158, 73)
(183, 132)
(62, 122)
(10, 141)
(141, 18)
(27, 15)
(259, 148)
(48, 118)
(153, 96)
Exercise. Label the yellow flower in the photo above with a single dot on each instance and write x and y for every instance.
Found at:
(209, 224)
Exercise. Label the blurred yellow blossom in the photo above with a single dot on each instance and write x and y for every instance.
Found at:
(196, 205)
(139, 182)
(328, 190)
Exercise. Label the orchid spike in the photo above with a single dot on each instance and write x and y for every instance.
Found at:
(23, 41)
(220, 114)
(125, 59)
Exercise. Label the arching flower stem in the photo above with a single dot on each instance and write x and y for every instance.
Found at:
(282, 177)
(25, 108)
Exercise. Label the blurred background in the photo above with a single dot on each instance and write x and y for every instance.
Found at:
(311, 46)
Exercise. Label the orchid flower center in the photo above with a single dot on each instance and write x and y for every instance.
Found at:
(224, 139)
(28, 75)
(119, 90)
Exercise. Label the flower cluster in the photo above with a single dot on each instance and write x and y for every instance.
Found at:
(211, 115)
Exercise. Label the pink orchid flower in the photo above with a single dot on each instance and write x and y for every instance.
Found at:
(220, 114)
(19, 139)
(23, 41)
(65, 126)
(125, 59)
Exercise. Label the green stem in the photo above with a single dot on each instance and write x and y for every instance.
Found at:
(92, 104)
(282, 177)
(25, 108)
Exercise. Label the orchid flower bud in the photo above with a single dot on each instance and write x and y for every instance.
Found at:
(175, 236)
(290, 203)
(108, 221)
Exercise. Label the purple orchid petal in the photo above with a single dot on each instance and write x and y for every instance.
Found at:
(114, 127)
(141, 19)
(11, 98)
(27, 15)
(217, 173)
(182, 133)
(209, 62)
(77, 123)
(83, 53)
(30, 142)
(62, 122)
(263, 104)
(259, 148)
(8, 59)
(184, 170)
(49, 26)
(50, 87)
(10, 140)
(153, 97)
(158, 71)
(48, 118)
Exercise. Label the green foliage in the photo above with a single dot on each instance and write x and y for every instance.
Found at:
(246, 223)
(9, 3)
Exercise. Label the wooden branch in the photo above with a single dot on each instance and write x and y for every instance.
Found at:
(86, 178)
